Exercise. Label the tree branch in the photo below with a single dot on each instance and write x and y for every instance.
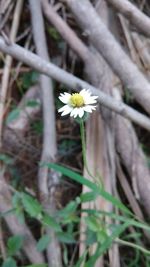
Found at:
(68, 34)
(100, 73)
(112, 52)
(49, 139)
(73, 82)
(133, 14)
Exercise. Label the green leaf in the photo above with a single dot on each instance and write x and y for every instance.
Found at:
(30, 79)
(70, 208)
(9, 262)
(17, 204)
(50, 221)
(37, 127)
(14, 244)
(88, 196)
(20, 215)
(91, 237)
(32, 206)
(6, 159)
(43, 243)
(13, 115)
(119, 218)
(66, 238)
(106, 244)
(53, 33)
(92, 223)
(82, 180)
(16, 200)
(32, 103)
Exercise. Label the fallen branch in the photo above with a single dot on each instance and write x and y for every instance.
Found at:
(45, 178)
(73, 82)
(133, 14)
(65, 31)
(98, 74)
(112, 52)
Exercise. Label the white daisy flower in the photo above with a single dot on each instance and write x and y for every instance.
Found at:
(77, 104)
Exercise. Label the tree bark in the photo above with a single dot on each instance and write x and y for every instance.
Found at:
(112, 52)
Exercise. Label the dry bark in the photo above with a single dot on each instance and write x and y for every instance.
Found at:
(134, 160)
(110, 49)
(8, 63)
(73, 82)
(133, 14)
(14, 131)
(100, 134)
(95, 68)
(64, 30)
(46, 179)
(126, 138)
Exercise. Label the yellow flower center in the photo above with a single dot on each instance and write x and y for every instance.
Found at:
(76, 100)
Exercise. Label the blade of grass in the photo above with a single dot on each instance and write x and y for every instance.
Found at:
(133, 222)
(82, 180)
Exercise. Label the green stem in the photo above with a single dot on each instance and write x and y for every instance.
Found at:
(82, 131)
(129, 244)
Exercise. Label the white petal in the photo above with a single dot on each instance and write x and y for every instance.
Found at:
(87, 108)
(62, 109)
(90, 100)
(80, 112)
(85, 93)
(65, 98)
(74, 112)
(67, 111)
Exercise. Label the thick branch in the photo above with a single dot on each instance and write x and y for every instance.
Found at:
(99, 73)
(49, 138)
(71, 81)
(110, 49)
(49, 141)
(64, 30)
(135, 16)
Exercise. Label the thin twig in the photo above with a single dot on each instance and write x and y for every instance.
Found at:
(8, 63)
(2, 244)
